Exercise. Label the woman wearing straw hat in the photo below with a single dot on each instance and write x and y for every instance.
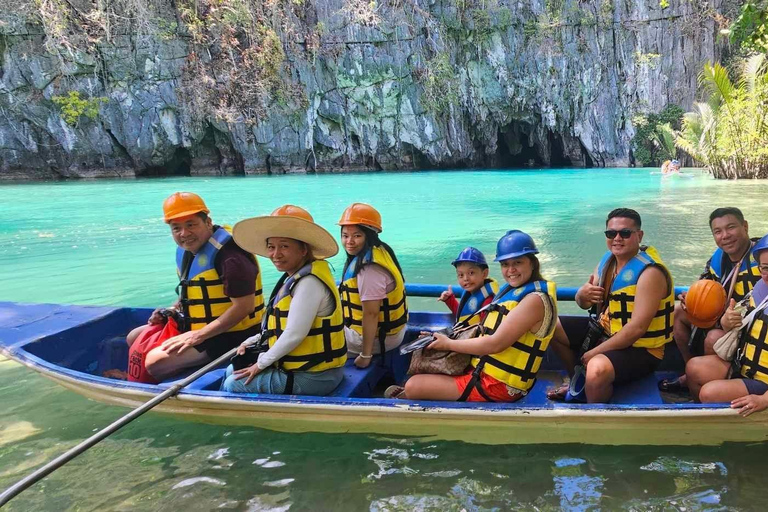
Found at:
(372, 286)
(303, 325)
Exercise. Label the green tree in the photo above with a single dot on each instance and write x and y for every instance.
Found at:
(728, 133)
(654, 135)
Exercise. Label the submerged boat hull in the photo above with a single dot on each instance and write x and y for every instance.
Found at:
(34, 339)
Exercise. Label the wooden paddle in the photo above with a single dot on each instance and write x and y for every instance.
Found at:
(70, 454)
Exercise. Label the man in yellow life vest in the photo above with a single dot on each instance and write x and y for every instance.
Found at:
(220, 295)
(732, 265)
(633, 293)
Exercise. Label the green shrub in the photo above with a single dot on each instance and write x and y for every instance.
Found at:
(73, 106)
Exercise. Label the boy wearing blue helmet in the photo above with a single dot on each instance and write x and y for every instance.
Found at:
(479, 289)
(507, 354)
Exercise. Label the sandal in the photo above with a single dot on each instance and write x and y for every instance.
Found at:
(394, 391)
(676, 385)
(558, 394)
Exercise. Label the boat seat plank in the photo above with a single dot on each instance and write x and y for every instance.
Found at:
(642, 391)
(360, 383)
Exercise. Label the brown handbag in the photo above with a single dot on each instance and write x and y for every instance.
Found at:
(443, 361)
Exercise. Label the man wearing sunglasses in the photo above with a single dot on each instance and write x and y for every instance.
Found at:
(733, 266)
(633, 295)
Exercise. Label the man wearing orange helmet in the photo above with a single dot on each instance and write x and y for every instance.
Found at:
(219, 289)
(372, 286)
(733, 266)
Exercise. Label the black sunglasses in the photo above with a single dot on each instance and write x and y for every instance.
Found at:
(625, 233)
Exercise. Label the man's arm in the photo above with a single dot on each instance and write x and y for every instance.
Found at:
(651, 290)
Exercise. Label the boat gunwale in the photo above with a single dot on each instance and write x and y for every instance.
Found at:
(143, 392)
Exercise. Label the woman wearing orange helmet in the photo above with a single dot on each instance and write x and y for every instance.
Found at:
(747, 388)
(372, 286)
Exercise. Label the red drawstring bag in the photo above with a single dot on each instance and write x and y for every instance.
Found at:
(153, 336)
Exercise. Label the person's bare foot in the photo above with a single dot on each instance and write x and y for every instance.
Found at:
(558, 394)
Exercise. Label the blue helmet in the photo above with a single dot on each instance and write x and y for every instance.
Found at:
(760, 246)
(470, 255)
(514, 244)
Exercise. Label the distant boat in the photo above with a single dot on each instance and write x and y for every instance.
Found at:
(74, 345)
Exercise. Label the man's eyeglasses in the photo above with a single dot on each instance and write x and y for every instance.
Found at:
(763, 269)
(624, 233)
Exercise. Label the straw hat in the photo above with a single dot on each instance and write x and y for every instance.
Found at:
(288, 221)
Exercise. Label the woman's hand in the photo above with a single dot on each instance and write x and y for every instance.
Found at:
(746, 405)
(442, 342)
(182, 342)
(250, 372)
(363, 362)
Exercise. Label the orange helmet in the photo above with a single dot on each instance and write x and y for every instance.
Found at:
(361, 213)
(289, 210)
(183, 204)
(705, 302)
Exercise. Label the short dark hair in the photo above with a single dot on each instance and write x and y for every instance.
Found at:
(626, 213)
(722, 212)
(481, 266)
(202, 215)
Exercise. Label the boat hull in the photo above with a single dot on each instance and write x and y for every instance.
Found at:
(519, 423)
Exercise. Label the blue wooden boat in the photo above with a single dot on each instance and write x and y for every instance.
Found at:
(74, 345)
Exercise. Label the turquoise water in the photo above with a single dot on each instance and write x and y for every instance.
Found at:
(104, 243)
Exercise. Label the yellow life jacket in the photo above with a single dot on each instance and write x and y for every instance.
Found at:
(202, 296)
(518, 364)
(471, 302)
(621, 297)
(753, 354)
(748, 275)
(325, 346)
(393, 315)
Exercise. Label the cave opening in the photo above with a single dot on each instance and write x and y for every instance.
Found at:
(178, 165)
(557, 153)
(514, 149)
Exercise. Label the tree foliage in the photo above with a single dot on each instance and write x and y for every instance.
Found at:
(728, 132)
(750, 29)
(654, 137)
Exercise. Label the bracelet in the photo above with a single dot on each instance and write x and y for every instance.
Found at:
(365, 357)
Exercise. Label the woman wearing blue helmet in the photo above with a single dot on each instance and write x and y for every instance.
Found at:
(516, 332)
(747, 387)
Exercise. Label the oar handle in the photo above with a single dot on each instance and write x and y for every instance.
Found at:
(102, 434)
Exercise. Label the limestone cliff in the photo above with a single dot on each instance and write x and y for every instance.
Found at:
(211, 87)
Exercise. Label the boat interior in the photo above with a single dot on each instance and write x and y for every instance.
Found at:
(85, 342)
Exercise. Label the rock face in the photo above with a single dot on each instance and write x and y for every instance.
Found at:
(345, 85)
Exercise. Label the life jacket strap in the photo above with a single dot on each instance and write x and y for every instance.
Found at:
(475, 382)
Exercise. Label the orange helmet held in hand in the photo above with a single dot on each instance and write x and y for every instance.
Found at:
(183, 204)
(361, 213)
(705, 302)
(289, 210)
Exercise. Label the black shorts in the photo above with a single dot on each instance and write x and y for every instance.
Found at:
(631, 363)
(223, 343)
